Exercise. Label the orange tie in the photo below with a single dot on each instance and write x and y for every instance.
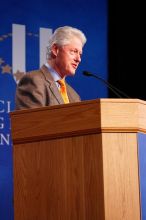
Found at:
(62, 90)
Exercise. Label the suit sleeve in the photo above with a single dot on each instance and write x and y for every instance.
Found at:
(30, 92)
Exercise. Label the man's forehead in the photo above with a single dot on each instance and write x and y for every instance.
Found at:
(73, 46)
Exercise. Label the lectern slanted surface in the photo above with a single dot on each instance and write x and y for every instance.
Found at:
(106, 115)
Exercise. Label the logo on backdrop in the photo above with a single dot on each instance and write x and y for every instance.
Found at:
(4, 66)
(18, 36)
(13, 66)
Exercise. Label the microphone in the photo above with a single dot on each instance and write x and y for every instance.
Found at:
(115, 90)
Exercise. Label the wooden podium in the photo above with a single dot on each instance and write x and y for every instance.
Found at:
(78, 161)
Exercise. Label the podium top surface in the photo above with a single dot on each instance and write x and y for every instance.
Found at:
(86, 117)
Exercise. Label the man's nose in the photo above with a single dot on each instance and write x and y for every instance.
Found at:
(78, 58)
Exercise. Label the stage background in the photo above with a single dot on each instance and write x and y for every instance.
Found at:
(127, 46)
(90, 17)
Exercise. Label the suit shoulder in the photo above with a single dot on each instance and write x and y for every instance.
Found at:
(34, 75)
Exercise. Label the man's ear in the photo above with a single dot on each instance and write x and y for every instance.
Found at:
(55, 50)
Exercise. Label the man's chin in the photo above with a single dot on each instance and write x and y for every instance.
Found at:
(72, 73)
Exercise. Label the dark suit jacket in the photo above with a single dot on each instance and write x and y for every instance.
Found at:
(37, 88)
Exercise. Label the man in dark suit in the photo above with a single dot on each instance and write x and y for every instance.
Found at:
(42, 87)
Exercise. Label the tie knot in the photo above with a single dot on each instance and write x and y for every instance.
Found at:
(61, 82)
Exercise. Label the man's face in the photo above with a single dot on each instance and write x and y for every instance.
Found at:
(68, 57)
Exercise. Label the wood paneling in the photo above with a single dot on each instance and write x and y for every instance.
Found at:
(121, 179)
(59, 179)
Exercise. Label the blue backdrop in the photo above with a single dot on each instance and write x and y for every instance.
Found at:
(91, 18)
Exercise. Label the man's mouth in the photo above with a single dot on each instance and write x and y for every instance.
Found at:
(74, 66)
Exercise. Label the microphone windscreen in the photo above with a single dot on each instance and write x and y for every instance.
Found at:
(86, 73)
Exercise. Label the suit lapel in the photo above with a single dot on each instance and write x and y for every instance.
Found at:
(56, 93)
(69, 94)
(52, 85)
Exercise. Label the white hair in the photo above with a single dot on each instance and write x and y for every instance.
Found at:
(63, 36)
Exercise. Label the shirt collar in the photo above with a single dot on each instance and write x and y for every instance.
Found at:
(53, 73)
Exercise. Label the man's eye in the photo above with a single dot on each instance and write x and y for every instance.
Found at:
(73, 51)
